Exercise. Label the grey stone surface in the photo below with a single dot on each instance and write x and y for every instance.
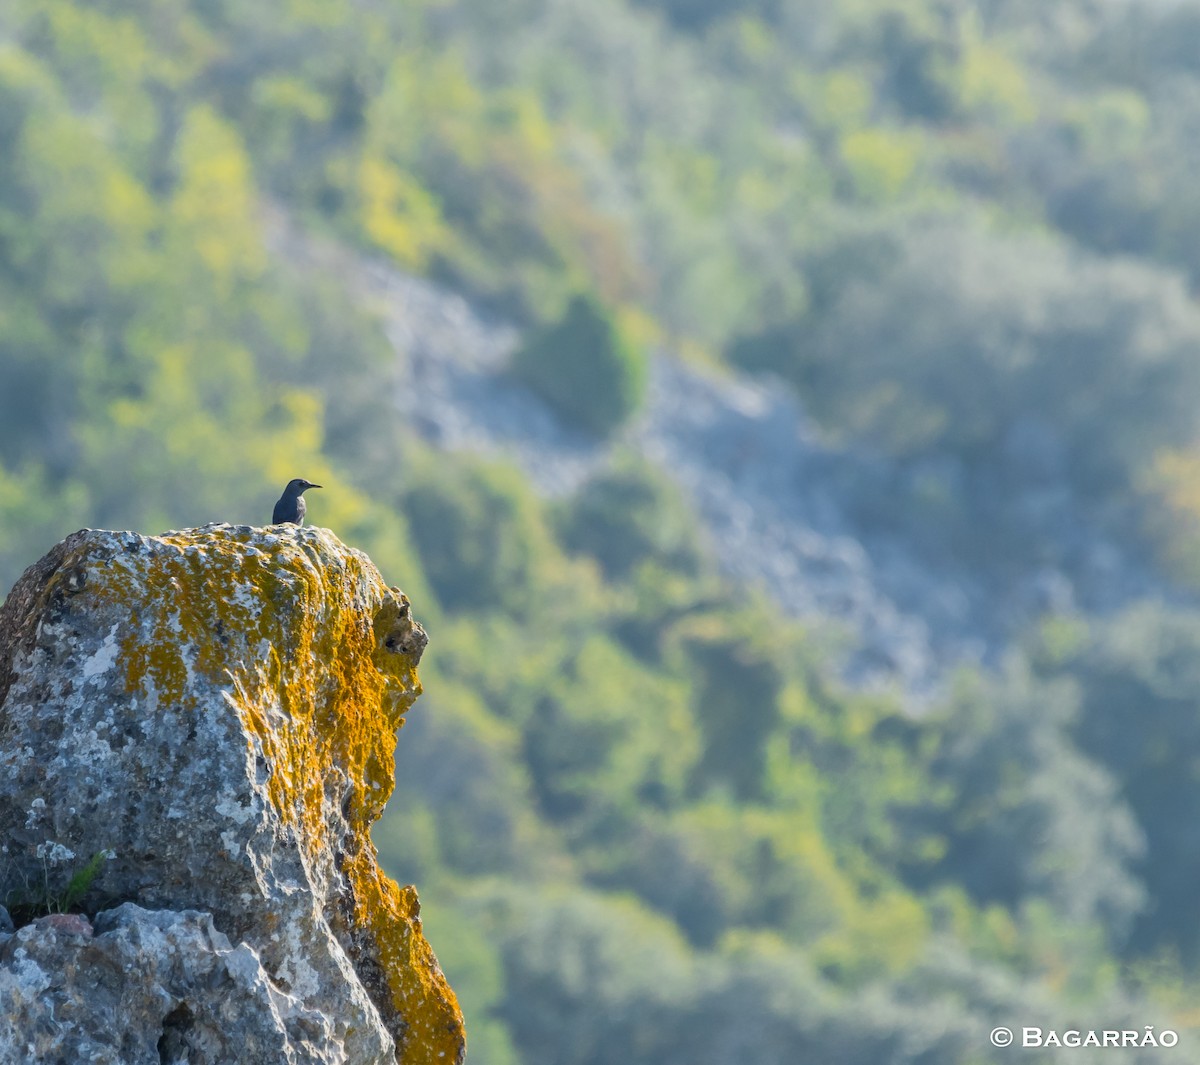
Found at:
(148, 986)
(214, 712)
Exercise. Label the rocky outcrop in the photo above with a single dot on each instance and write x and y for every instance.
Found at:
(196, 733)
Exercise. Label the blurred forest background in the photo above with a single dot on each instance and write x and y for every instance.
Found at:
(650, 819)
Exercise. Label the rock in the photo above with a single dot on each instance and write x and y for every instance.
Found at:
(66, 924)
(180, 989)
(206, 720)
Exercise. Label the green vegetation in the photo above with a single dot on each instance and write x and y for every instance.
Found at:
(585, 367)
(52, 895)
(646, 822)
(630, 516)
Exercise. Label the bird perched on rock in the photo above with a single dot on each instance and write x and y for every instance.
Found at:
(291, 506)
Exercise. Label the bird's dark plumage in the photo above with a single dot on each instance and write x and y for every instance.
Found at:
(291, 506)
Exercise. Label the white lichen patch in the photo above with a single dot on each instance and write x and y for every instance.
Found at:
(24, 976)
(230, 842)
(91, 749)
(104, 658)
(229, 807)
(296, 974)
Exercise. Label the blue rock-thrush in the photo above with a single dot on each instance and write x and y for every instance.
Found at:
(291, 506)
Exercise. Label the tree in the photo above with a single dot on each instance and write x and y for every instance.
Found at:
(1027, 816)
(1139, 676)
(585, 367)
(629, 515)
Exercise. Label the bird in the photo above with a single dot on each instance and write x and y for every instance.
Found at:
(291, 506)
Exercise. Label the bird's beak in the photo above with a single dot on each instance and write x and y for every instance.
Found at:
(311, 485)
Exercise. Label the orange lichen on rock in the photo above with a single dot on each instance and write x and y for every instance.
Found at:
(389, 923)
(312, 660)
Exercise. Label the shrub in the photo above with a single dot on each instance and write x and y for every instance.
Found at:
(585, 367)
(480, 535)
(632, 514)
